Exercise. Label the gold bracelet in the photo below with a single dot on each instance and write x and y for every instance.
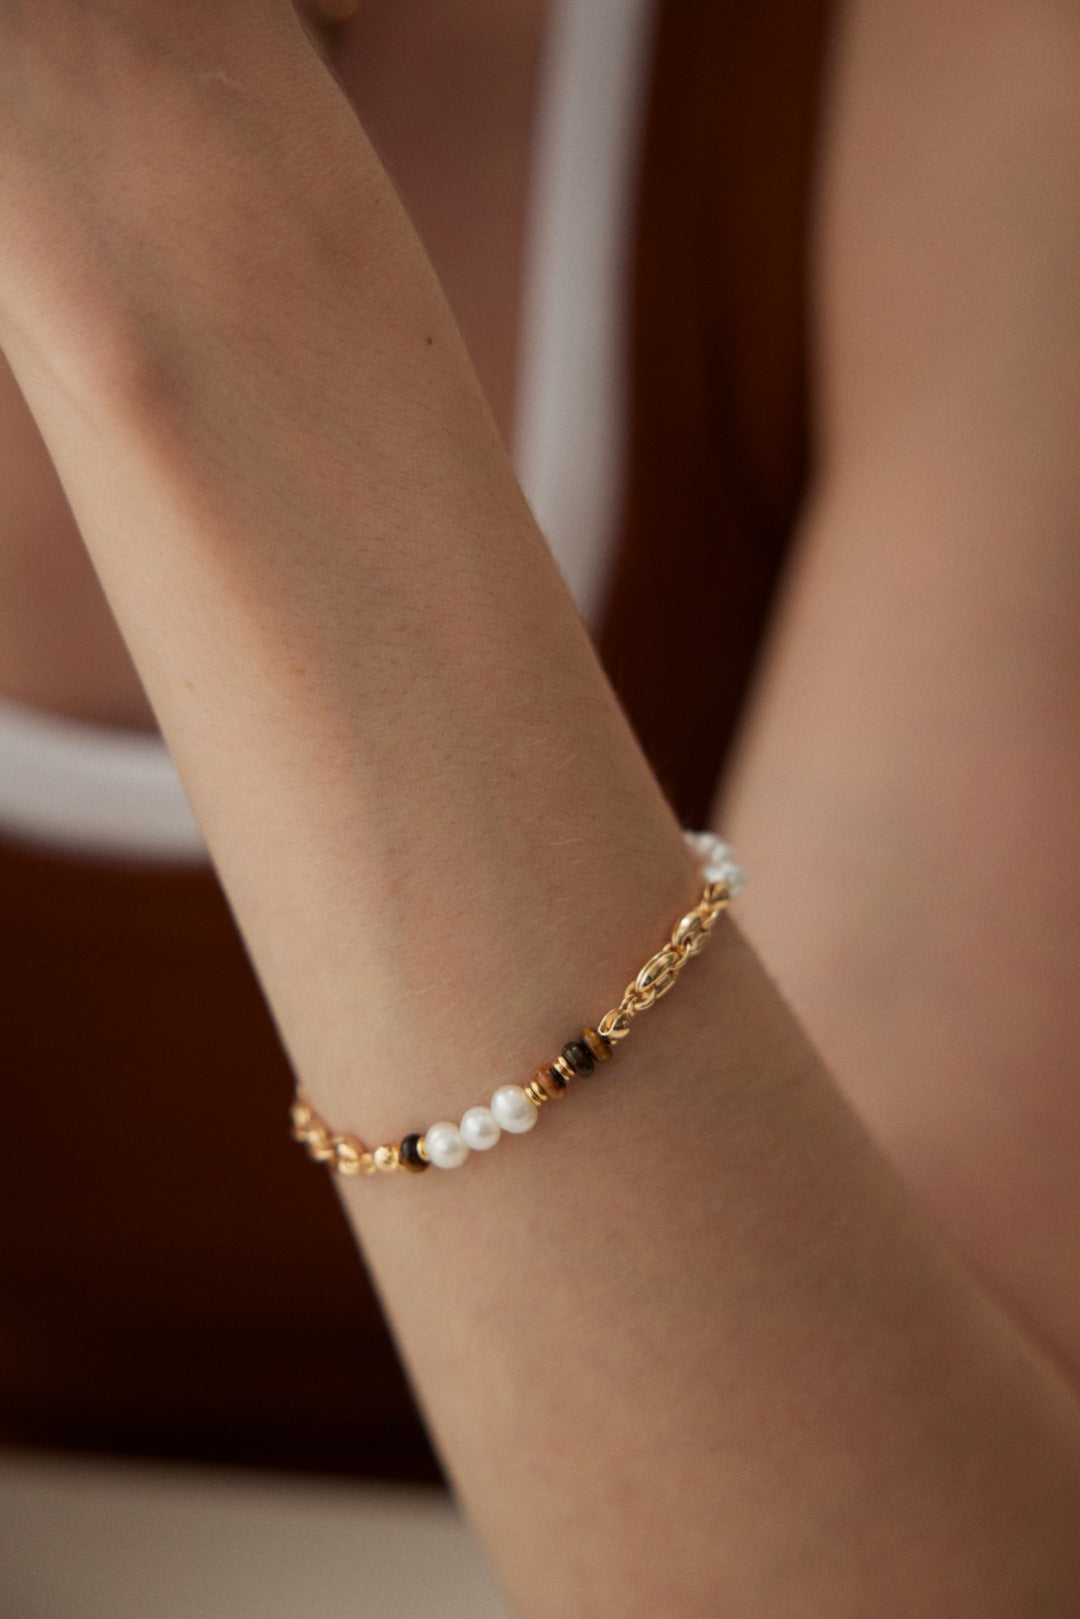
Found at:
(516, 1108)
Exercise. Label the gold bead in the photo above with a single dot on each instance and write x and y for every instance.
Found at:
(421, 1150)
(536, 1092)
(561, 1066)
(349, 1154)
(301, 1119)
(385, 1158)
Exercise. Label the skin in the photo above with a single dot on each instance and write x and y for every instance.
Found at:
(785, 1394)
(462, 165)
(906, 786)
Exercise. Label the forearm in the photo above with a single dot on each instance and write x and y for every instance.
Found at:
(686, 1347)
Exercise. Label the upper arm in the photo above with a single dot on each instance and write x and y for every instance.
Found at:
(906, 786)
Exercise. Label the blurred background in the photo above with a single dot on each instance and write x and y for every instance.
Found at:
(201, 1406)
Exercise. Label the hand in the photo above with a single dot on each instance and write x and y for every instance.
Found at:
(110, 114)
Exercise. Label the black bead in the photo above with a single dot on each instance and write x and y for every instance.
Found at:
(409, 1153)
(579, 1057)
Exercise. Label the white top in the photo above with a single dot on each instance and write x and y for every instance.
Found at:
(110, 793)
(572, 386)
(89, 790)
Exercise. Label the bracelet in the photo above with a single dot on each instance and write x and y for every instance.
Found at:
(516, 1108)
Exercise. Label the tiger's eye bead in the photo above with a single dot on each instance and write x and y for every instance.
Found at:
(409, 1155)
(580, 1058)
(597, 1045)
(551, 1085)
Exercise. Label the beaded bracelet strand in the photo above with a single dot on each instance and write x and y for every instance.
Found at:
(516, 1108)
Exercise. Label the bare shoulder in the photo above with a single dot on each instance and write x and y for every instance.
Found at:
(906, 787)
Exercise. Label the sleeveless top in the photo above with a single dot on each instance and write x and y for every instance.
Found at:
(178, 1279)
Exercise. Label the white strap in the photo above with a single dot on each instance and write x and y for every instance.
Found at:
(93, 791)
(570, 417)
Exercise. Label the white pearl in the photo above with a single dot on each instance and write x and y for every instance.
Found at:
(513, 1110)
(719, 864)
(726, 871)
(444, 1145)
(479, 1129)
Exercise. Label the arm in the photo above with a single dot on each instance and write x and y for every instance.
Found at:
(691, 1347)
(907, 784)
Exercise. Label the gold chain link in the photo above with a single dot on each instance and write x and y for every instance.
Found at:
(347, 1155)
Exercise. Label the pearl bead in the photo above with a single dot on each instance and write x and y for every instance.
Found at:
(513, 1110)
(444, 1145)
(701, 842)
(726, 871)
(718, 861)
(479, 1129)
(715, 851)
